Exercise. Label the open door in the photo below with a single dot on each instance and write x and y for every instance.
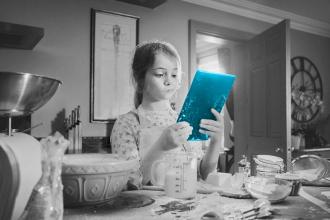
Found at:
(269, 107)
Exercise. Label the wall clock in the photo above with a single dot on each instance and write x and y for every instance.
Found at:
(306, 90)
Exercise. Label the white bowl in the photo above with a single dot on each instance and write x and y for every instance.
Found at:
(274, 190)
(90, 179)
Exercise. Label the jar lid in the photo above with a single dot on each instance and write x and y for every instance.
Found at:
(288, 176)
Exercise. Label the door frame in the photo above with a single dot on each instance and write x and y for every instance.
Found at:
(197, 27)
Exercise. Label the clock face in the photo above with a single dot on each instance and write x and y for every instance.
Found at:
(306, 89)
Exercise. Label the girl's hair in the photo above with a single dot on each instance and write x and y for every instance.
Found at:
(143, 59)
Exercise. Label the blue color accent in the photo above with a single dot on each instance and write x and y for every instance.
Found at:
(208, 90)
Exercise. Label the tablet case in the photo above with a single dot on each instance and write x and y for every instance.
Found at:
(208, 90)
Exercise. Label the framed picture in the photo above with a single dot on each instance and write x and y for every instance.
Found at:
(113, 39)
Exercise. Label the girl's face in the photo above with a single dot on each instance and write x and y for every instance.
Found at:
(163, 78)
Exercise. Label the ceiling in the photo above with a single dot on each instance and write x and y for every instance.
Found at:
(316, 9)
(307, 16)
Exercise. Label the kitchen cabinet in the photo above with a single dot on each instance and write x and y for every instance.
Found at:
(19, 36)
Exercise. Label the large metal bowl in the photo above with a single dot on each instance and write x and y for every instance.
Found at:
(24, 93)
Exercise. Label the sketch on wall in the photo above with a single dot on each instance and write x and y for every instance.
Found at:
(113, 39)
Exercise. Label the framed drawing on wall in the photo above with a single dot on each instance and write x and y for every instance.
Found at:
(113, 39)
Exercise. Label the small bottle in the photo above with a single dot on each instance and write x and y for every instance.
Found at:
(244, 167)
(242, 164)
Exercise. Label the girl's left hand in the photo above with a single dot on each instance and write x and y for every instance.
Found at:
(213, 128)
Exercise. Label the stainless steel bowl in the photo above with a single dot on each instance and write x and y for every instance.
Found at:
(24, 93)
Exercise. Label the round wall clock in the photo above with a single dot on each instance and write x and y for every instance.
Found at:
(306, 89)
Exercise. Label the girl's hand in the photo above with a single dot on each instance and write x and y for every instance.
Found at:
(175, 135)
(213, 128)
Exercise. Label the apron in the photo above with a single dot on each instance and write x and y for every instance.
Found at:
(149, 134)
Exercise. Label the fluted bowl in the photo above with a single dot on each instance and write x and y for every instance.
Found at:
(24, 93)
(90, 179)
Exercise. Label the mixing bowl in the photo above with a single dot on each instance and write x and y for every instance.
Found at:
(295, 179)
(91, 179)
(311, 167)
(24, 93)
(274, 190)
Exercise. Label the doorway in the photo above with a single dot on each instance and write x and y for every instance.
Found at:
(221, 38)
(215, 54)
(261, 63)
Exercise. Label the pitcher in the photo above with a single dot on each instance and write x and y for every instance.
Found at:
(177, 173)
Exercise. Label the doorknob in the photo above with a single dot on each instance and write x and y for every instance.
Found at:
(278, 149)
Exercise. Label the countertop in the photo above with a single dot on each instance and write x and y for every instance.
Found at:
(310, 204)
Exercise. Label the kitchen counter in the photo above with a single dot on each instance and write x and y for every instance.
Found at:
(310, 204)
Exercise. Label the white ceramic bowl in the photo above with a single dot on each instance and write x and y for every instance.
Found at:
(91, 179)
(274, 190)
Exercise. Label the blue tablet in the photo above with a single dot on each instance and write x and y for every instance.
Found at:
(208, 90)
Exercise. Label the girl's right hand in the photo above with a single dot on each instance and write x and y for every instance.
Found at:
(175, 135)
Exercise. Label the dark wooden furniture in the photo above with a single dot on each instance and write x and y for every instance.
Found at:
(145, 3)
(9, 181)
(19, 36)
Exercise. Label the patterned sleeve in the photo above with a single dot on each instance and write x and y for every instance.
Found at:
(124, 142)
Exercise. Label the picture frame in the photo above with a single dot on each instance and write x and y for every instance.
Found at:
(114, 37)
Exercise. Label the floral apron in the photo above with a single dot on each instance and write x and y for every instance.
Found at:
(149, 134)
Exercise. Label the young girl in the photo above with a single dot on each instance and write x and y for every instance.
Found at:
(150, 130)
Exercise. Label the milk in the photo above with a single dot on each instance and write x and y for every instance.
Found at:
(181, 180)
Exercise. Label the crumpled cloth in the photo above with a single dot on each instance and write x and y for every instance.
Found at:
(195, 209)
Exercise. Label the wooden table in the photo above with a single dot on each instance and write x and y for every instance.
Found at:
(294, 207)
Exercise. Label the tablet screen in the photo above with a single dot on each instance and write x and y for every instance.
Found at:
(208, 90)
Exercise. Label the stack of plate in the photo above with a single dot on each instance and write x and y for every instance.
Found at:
(268, 165)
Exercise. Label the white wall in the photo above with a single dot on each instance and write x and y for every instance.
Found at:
(317, 49)
(64, 52)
